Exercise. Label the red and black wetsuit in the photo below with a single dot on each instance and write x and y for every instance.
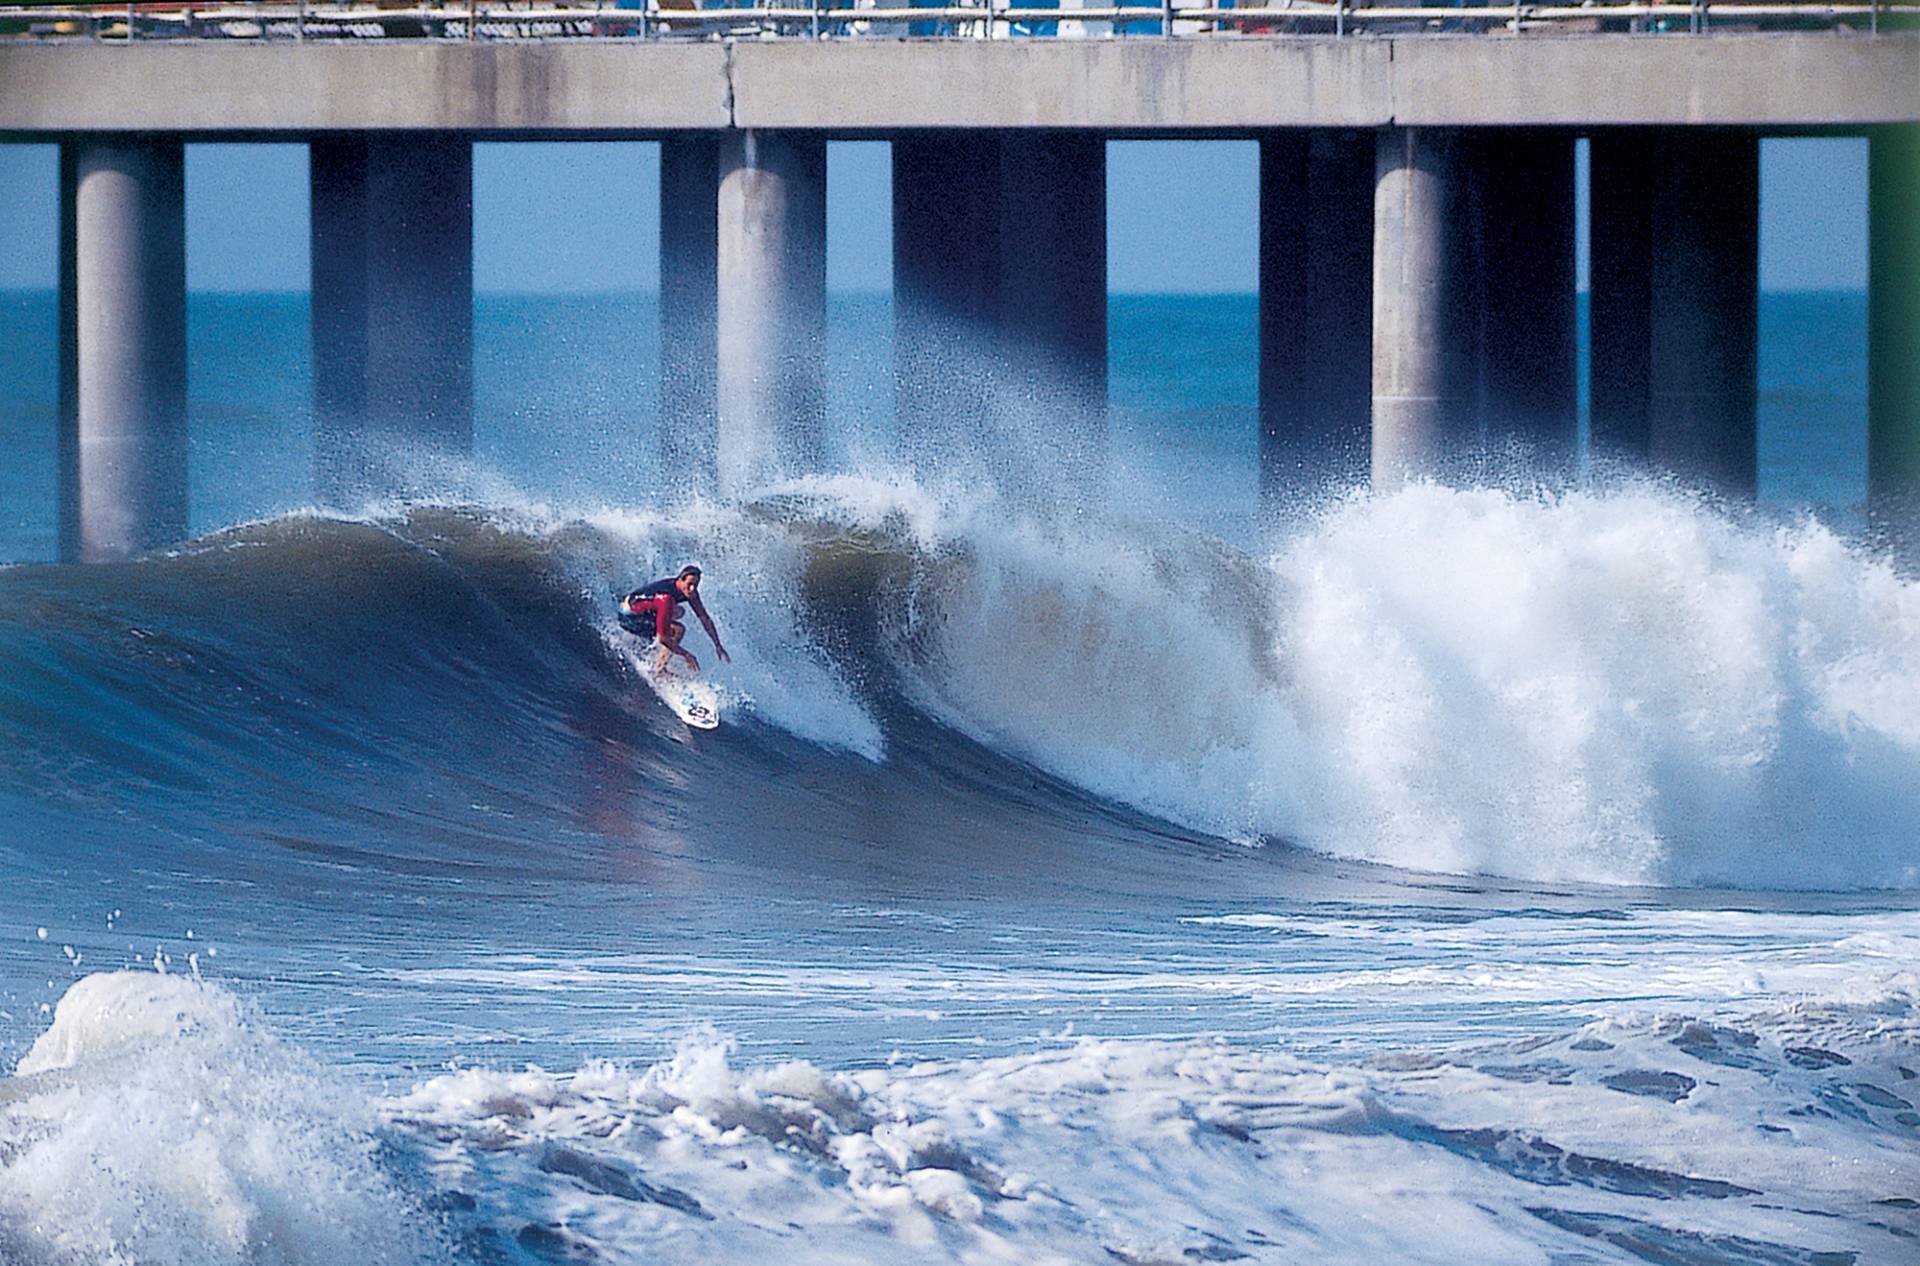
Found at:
(649, 609)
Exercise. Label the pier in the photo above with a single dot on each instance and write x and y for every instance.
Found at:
(1416, 272)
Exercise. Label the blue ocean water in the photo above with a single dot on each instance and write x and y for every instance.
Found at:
(1469, 874)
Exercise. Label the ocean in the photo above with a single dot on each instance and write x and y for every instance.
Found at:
(1509, 873)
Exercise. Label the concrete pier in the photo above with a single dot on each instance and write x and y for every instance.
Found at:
(1316, 311)
(1416, 219)
(1426, 325)
(1528, 381)
(772, 277)
(1053, 282)
(392, 259)
(689, 224)
(1893, 338)
(1705, 309)
(124, 343)
(513, 89)
(1620, 172)
(946, 285)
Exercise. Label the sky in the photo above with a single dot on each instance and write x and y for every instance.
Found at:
(573, 216)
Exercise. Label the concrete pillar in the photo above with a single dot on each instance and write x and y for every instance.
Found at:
(1620, 298)
(946, 285)
(689, 209)
(1704, 308)
(1426, 324)
(392, 260)
(1529, 384)
(68, 399)
(1053, 282)
(1893, 338)
(772, 277)
(123, 342)
(1316, 311)
(337, 233)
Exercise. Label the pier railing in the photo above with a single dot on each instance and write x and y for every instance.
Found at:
(257, 20)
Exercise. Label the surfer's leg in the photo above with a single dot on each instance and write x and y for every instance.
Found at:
(670, 632)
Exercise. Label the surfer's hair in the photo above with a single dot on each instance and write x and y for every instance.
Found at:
(687, 571)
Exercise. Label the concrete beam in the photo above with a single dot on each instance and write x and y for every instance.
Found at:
(772, 263)
(1052, 83)
(124, 326)
(1705, 309)
(1893, 338)
(1218, 86)
(1748, 79)
(1316, 311)
(1426, 326)
(240, 87)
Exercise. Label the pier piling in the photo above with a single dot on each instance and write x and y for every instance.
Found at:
(1053, 283)
(1316, 311)
(392, 266)
(689, 285)
(1620, 342)
(1426, 327)
(946, 283)
(1529, 387)
(123, 340)
(1704, 319)
(772, 277)
(1893, 338)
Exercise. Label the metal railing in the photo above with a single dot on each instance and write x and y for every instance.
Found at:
(260, 20)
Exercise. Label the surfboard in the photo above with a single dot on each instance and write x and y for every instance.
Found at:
(692, 700)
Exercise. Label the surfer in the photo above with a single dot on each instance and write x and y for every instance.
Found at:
(652, 612)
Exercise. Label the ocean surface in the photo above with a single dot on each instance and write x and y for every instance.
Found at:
(1511, 873)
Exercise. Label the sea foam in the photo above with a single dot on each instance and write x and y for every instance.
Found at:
(157, 1122)
(1632, 687)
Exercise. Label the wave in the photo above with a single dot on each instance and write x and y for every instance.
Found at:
(1631, 687)
(158, 1120)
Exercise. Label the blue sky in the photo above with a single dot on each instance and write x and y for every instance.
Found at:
(583, 216)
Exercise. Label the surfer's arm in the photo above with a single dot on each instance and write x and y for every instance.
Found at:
(706, 622)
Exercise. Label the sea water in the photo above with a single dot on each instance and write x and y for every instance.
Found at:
(1494, 873)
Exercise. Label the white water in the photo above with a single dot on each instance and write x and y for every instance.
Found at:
(1631, 688)
(157, 1122)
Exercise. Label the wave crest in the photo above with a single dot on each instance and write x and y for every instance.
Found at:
(1632, 687)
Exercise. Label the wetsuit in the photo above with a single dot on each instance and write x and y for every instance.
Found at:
(649, 609)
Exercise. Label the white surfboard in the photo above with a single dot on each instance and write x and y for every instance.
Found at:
(692, 700)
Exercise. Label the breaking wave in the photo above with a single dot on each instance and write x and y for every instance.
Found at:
(1633, 687)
